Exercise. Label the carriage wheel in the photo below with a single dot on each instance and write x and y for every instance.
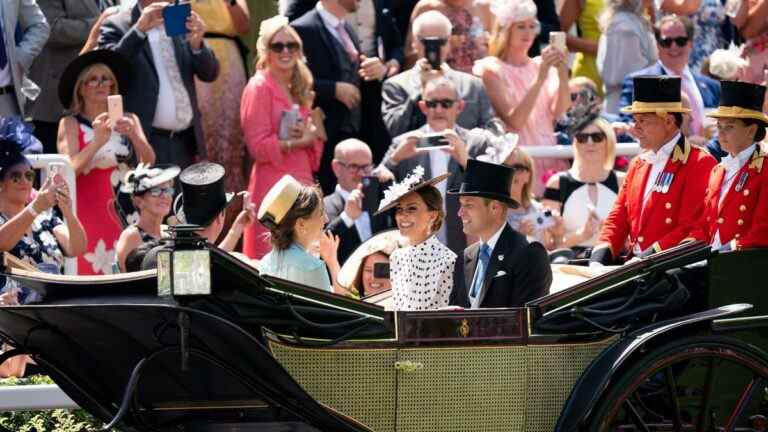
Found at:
(700, 384)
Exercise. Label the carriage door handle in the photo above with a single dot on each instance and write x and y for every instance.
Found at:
(408, 366)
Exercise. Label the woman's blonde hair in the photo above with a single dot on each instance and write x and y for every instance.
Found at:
(610, 142)
(78, 103)
(521, 157)
(301, 81)
(612, 7)
(497, 44)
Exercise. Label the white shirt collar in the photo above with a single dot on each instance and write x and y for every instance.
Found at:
(495, 238)
(328, 18)
(344, 193)
(733, 164)
(663, 153)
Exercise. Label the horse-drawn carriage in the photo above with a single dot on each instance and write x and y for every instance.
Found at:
(207, 344)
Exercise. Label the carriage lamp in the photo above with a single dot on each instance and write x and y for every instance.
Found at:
(184, 267)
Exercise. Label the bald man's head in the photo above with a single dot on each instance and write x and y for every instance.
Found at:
(352, 160)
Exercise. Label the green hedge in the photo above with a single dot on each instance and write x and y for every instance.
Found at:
(59, 420)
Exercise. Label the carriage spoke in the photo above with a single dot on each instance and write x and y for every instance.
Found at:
(672, 390)
(635, 416)
(706, 397)
(755, 385)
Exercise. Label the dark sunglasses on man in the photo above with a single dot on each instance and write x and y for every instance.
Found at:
(681, 41)
(278, 47)
(582, 137)
(445, 103)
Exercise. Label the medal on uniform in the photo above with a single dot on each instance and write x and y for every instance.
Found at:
(668, 182)
(742, 181)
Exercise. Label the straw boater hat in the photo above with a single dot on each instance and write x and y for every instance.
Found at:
(278, 201)
(741, 100)
(385, 242)
(487, 180)
(656, 94)
(202, 195)
(409, 184)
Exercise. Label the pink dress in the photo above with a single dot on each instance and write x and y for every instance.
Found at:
(95, 202)
(261, 107)
(539, 130)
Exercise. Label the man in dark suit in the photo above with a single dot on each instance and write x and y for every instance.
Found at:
(333, 54)
(674, 39)
(502, 269)
(352, 161)
(71, 22)
(163, 91)
(442, 106)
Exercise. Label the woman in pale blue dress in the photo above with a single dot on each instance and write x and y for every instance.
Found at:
(294, 216)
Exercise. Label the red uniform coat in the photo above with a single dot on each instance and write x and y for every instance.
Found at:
(671, 214)
(742, 217)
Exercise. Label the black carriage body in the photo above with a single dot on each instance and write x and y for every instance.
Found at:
(264, 353)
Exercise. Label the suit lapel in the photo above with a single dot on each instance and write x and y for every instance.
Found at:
(146, 48)
(326, 37)
(495, 262)
(470, 264)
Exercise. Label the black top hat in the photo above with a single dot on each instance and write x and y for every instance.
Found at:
(119, 66)
(741, 100)
(656, 93)
(202, 195)
(487, 180)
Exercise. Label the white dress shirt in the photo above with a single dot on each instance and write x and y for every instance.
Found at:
(330, 20)
(491, 243)
(732, 167)
(658, 159)
(438, 164)
(364, 21)
(165, 113)
(362, 223)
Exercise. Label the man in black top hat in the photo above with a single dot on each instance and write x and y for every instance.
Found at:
(502, 269)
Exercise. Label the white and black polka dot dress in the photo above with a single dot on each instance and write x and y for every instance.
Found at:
(422, 275)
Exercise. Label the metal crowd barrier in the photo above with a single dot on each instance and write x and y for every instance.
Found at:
(43, 162)
(46, 397)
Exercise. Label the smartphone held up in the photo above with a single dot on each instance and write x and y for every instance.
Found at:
(175, 18)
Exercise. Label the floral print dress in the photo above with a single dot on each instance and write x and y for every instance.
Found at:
(708, 21)
(39, 248)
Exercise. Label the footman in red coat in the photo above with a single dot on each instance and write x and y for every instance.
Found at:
(736, 203)
(661, 200)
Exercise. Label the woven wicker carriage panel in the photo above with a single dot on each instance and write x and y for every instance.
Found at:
(358, 383)
(553, 371)
(462, 389)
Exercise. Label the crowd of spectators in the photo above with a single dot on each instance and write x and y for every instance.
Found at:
(350, 95)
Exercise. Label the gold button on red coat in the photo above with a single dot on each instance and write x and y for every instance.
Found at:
(746, 192)
(640, 239)
(737, 235)
(668, 221)
(668, 206)
(740, 221)
(720, 220)
(742, 208)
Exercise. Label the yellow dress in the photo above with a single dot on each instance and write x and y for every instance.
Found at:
(219, 101)
(584, 64)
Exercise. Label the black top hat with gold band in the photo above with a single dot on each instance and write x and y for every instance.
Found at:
(487, 180)
(658, 94)
(202, 195)
(278, 201)
(741, 100)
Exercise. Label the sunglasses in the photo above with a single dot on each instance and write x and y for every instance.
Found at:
(596, 137)
(157, 192)
(681, 41)
(445, 103)
(278, 47)
(356, 168)
(94, 82)
(18, 176)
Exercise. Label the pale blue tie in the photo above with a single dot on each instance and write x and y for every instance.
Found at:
(482, 265)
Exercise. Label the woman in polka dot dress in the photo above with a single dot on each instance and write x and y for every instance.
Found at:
(422, 273)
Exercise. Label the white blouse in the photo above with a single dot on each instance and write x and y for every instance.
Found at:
(422, 275)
